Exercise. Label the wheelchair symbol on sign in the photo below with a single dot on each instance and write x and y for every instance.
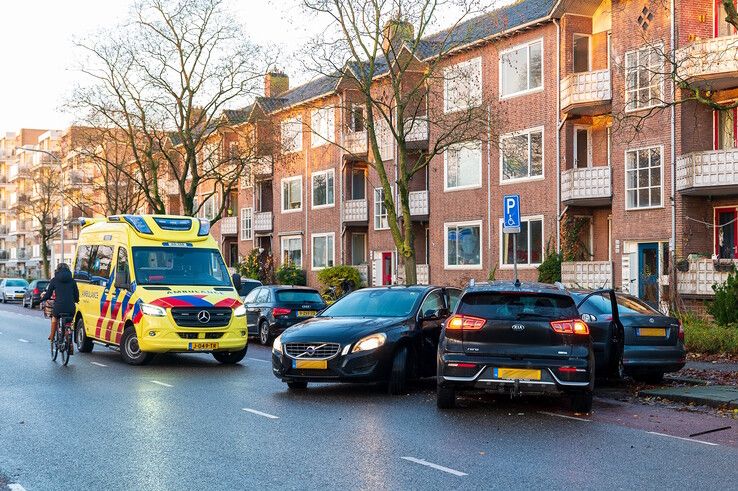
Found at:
(511, 221)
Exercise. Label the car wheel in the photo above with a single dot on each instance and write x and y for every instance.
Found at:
(397, 383)
(649, 377)
(297, 385)
(581, 402)
(445, 397)
(264, 336)
(84, 344)
(229, 357)
(131, 351)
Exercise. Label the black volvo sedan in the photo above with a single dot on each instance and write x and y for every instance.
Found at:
(385, 334)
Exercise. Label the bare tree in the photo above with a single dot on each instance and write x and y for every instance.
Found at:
(162, 80)
(383, 51)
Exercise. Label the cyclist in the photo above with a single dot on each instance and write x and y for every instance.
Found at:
(67, 295)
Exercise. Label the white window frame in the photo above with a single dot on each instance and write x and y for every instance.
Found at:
(457, 69)
(531, 218)
(332, 258)
(543, 69)
(296, 145)
(374, 211)
(625, 174)
(302, 194)
(247, 215)
(446, 187)
(659, 74)
(287, 238)
(312, 189)
(528, 131)
(319, 116)
(472, 223)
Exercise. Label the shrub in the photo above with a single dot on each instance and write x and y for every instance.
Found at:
(289, 274)
(258, 265)
(725, 306)
(701, 337)
(550, 269)
(334, 277)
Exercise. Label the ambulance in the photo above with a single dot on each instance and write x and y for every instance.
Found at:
(156, 284)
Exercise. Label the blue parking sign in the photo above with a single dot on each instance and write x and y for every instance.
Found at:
(511, 214)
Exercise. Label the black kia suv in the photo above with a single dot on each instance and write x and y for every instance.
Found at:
(517, 338)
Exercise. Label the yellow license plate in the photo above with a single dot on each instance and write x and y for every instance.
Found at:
(517, 374)
(306, 313)
(314, 364)
(652, 331)
(202, 346)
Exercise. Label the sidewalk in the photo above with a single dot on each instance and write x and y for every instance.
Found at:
(696, 385)
(707, 365)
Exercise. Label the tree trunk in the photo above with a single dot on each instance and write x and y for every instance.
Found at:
(45, 252)
(411, 271)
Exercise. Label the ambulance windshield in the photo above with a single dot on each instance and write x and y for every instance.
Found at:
(179, 266)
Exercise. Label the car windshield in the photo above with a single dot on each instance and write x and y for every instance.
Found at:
(295, 296)
(16, 283)
(518, 306)
(42, 284)
(179, 266)
(600, 304)
(390, 302)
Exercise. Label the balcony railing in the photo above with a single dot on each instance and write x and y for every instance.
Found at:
(356, 211)
(587, 186)
(423, 273)
(363, 272)
(589, 275)
(710, 172)
(263, 167)
(710, 62)
(355, 142)
(580, 90)
(229, 226)
(417, 130)
(418, 203)
(263, 221)
(700, 277)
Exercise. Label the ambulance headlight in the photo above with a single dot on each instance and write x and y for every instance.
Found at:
(153, 310)
(239, 311)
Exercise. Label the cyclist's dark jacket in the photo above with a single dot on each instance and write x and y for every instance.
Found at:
(66, 290)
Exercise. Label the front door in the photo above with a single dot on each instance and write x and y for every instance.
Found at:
(648, 273)
(386, 268)
(233, 254)
(726, 233)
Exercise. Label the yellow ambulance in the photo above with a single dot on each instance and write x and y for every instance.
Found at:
(156, 284)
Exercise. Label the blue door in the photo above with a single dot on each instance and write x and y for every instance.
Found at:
(648, 273)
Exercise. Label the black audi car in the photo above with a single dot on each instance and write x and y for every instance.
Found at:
(517, 338)
(384, 334)
(272, 309)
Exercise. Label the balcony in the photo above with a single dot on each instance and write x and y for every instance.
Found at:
(363, 272)
(418, 204)
(263, 222)
(356, 211)
(590, 275)
(423, 273)
(229, 226)
(709, 63)
(355, 142)
(713, 172)
(417, 133)
(700, 277)
(263, 168)
(588, 186)
(586, 93)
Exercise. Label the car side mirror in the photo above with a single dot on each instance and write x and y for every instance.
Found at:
(434, 315)
(589, 318)
(122, 283)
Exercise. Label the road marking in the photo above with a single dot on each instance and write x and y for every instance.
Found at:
(161, 383)
(23, 340)
(14, 486)
(259, 359)
(97, 364)
(259, 413)
(682, 438)
(435, 466)
(564, 416)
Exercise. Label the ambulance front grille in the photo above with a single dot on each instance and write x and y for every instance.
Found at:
(202, 316)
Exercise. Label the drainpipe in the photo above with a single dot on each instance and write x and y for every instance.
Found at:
(307, 201)
(673, 136)
(341, 167)
(559, 124)
(489, 187)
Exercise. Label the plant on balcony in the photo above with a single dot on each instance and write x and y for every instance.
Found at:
(574, 245)
(682, 265)
(339, 280)
(290, 274)
(550, 269)
(724, 308)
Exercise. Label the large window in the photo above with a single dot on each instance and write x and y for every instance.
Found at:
(521, 155)
(529, 243)
(643, 178)
(323, 188)
(381, 221)
(321, 121)
(463, 245)
(292, 134)
(521, 69)
(292, 250)
(247, 229)
(643, 78)
(179, 266)
(323, 256)
(93, 263)
(292, 194)
(462, 85)
(209, 208)
(463, 166)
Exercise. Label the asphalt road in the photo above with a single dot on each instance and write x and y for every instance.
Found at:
(186, 422)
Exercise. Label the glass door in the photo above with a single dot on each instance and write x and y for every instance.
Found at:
(726, 232)
(648, 273)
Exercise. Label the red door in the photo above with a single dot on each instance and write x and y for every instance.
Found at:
(386, 268)
(726, 233)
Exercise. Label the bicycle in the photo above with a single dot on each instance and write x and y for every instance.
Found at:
(62, 341)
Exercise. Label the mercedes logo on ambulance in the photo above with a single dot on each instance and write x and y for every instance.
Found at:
(203, 316)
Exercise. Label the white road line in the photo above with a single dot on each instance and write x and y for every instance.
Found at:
(259, 413)
(682, 438)
(23, 340)
(161, 383)
(259, 359)
(97, 364)
(564, 416)
(435, 466)
(14, 486)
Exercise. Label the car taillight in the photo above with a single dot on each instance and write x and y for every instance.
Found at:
(465, 323)
(575, 326)
(681, 331)
(35, 291)
(280, 311)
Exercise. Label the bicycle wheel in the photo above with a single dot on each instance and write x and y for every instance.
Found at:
(54, 346)
(66, 345)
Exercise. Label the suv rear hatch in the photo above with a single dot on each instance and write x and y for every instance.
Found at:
(302, 304)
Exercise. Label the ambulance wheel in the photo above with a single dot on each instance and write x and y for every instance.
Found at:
(131, 351)
(84, 344)
(229, 357)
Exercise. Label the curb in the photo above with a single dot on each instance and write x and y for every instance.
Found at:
(687, 397)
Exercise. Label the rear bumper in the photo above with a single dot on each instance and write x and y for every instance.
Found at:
(654, 358)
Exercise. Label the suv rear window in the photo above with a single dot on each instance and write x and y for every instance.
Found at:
(288, 296)
(517, 306)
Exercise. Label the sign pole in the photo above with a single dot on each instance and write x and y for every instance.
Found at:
(515, 256)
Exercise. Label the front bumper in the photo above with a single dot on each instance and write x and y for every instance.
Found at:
(654, 358)
(163, 335)
(363, 366)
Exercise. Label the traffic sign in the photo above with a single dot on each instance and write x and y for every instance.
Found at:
(511, 214)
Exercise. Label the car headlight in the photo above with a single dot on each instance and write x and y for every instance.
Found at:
(153, 310)
(371, 342)
(239, 311)
(277, 344)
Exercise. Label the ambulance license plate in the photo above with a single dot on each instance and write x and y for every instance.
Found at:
(202, 346)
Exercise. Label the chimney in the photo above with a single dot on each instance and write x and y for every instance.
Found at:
(396, 31)
(276, 83)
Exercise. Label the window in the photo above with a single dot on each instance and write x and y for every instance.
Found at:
(323, 251)
(643, 178)
(321, 121)
(357, 118)
(358, 184)
(263, 296)
(463, 166)
(210, 157)
(463, 245)
(643, 78)
(292, 250)
(725, 128)
(180, 266)
(292, 134)
(358, 249)
(432, 303)
(209, 207)
(122, 273)
(251, 297)
(292, 194)
(521, 69)
(323, 189)
(381, 221)
(530, 243)
(93, 263)
(580, 46)
(581, 147)
(247, 231)
(462, 85)
(522, 155)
